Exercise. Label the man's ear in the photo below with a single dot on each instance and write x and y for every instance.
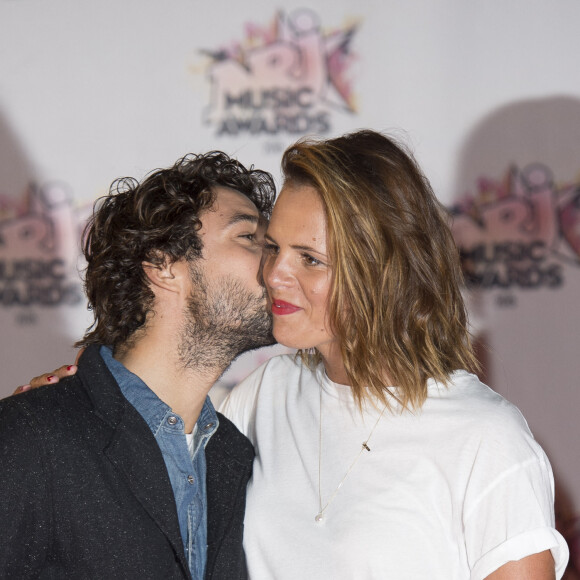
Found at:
(164, 275)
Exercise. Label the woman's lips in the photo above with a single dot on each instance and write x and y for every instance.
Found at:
(280, 307)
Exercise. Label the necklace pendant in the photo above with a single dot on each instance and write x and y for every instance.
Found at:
(319, 517)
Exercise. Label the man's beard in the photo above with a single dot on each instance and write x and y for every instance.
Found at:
(222, 322)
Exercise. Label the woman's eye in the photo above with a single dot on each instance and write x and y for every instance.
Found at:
(310, 261)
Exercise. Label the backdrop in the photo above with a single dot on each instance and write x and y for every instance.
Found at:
(486, 94)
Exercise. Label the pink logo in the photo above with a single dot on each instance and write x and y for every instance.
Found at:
(519, 232)
(39, 246)
(286, 78)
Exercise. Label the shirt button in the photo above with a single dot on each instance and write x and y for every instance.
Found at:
(172, 420)
(208, 426)
(190, 479)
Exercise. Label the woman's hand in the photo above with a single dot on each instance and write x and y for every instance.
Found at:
(50, 378)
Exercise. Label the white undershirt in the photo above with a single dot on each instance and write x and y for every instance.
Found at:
(452, 492)
(190, 439)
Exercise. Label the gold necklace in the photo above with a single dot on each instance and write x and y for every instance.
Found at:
(364, 447)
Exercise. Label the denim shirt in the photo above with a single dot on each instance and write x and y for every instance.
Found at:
(184, 461)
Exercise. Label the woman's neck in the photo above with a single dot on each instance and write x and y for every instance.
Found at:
(333, 364)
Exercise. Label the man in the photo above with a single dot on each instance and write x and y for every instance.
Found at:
(127, 471)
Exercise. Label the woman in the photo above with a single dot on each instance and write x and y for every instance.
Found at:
(377, 455)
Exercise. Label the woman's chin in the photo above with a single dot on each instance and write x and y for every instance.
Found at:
(289, 339)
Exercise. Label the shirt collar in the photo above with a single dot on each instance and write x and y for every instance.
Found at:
(148, 404)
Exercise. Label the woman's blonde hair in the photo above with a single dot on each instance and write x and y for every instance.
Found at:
(395, 302)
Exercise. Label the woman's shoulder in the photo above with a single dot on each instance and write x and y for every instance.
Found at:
(470, 402)
(261, 389)
(276, 373)
(279, 366)
(483, 433)
(465, 388)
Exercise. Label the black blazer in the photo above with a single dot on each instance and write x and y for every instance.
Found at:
(84, 492)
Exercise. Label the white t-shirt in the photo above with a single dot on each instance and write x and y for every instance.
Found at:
(453, 491)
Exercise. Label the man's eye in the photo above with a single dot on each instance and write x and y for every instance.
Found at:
(270, 248)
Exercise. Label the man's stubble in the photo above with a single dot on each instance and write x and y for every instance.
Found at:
(222, 321)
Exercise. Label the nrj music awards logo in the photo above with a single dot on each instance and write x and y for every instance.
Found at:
(520, 232)
(289, 77)
(39, 246)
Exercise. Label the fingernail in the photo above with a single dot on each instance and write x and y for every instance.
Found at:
(49, 378)
(24, 388)
(69, 367)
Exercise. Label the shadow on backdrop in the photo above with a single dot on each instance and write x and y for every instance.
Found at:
(516, 220)
(39, 247)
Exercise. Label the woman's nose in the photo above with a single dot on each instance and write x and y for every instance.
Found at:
(276, 271)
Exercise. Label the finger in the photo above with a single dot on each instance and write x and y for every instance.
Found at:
(45, 379)
(54, 376)
(21, 389)
(64, 371)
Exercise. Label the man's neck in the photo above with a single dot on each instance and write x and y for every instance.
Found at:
(160, 368)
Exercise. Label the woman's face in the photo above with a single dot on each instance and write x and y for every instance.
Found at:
(297, 271)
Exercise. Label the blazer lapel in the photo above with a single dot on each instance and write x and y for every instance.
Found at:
(134, 452)
(229, 456)
(132, 449)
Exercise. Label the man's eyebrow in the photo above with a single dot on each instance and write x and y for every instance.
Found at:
(244, 217)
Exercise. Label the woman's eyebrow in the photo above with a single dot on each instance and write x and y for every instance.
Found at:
(296, 246)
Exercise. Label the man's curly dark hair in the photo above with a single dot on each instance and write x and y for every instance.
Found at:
(154, 221)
